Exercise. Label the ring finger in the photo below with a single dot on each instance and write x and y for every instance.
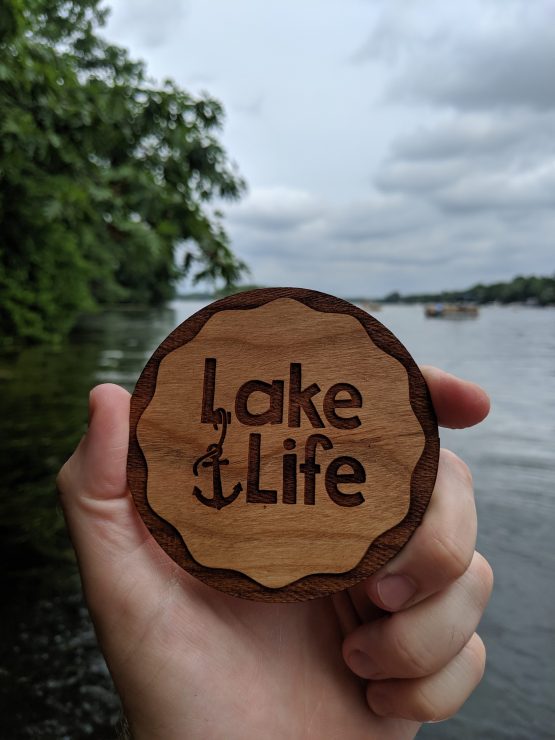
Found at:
(421, 640)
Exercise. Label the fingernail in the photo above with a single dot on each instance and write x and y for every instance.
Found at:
(395, 591)
(361, 664)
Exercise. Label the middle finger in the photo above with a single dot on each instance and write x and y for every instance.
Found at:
(420, 640)
(439, 551)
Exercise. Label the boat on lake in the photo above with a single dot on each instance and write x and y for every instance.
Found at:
(371, 306)
(451, 311)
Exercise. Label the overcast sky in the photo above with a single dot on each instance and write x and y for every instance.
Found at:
(387, 144)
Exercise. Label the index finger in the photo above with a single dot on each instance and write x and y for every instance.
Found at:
(457, 403)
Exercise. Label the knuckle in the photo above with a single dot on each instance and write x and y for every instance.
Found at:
(62, 479)
(476, 654)
(428, 703)
(448, 554)
(459, 467)
(69, 473)
(482, 578)
(458, 637)
(411, 655)
(425, 708)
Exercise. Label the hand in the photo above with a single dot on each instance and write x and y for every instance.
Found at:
(191, 662)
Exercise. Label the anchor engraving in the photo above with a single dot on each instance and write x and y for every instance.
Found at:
(212, 458)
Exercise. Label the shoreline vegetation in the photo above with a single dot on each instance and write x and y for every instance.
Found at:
(530, 290)
(111, 183)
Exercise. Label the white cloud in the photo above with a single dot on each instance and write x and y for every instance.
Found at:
(278, 209)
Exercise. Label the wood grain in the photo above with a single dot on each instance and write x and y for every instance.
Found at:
(283, 445)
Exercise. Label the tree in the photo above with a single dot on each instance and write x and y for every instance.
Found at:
(103, 175)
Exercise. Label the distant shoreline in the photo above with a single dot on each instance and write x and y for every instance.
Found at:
(527, 291)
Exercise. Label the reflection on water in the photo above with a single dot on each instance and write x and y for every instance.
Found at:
(54, 683)
(52, 679)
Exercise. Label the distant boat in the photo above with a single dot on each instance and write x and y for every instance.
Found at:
(451, 311)
(372, 306)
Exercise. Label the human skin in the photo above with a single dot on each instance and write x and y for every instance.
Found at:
(191, 663)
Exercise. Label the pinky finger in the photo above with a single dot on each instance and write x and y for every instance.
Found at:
(433, 698)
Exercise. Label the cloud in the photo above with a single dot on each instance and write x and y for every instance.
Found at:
(401, 30)
(377, 244)
(469, 163)
(494, 70)
(533, 189)
(278, 209)
(477, 56)
(420, 176)
(475, 136)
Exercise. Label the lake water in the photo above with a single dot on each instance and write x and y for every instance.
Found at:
(53, 681)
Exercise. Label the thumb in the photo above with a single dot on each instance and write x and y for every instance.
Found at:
(103, 523)
(458, 403)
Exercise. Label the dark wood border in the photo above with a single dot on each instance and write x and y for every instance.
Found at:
(382, 549)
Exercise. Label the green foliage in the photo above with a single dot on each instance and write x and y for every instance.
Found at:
(103, 175)
(538, 291)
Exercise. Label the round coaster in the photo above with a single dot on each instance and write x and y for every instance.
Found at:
(283, 445)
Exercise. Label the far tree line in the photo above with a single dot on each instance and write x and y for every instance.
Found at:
(534, 290)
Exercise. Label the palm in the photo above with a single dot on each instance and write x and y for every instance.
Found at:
(219, 661)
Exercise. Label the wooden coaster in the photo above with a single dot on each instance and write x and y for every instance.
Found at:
(283, 445)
